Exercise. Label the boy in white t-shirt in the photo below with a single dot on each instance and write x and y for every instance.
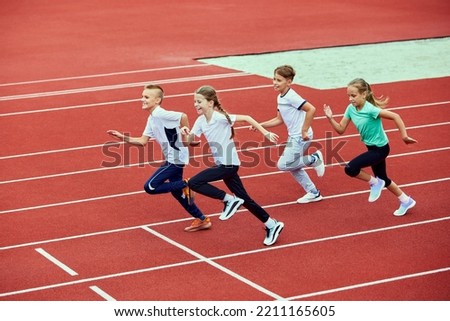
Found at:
(297, 114)
(164, 126)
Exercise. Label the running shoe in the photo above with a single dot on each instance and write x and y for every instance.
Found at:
(230, 208)
(198, 225)
(375, 190)
(310, 197)
(404, 207)
(273, 233)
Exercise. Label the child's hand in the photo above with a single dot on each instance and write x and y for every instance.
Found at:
(272, 137)
(409, 140)
(327, 110)
(184, 130)
(115, 134)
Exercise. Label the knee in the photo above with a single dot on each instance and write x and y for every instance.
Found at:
(282, 166)
(149, 189)
(193, 183)
(351, 171)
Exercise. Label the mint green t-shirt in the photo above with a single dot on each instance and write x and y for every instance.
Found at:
(368, 123)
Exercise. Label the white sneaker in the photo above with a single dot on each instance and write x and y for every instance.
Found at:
(375, 190)
(318, 165)
(273, 233)
(230, 208)
(310, 197)
(404, 207)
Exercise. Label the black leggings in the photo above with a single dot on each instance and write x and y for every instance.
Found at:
(229, 174)
(375, 157)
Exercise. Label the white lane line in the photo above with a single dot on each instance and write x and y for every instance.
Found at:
(119, 230)
(214, 264)
(367, 284)
(56, 262)
(122, 86)
(117, 102)
(334, 138)
(102, 293)
(240, 127)
(140, 192)
(232, 255)
(103, 75)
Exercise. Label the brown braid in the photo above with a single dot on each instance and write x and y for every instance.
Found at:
(363, 86)
(210, 94)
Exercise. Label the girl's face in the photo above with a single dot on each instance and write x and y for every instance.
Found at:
(150, 99)
(281, 84)
(202, 105)
(356, 98)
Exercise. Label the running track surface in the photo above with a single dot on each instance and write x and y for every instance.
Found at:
(71, 71)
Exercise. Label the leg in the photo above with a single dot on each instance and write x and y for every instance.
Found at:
(376, 158)
(294, 161)
(201, 182)
(158, 183)
(175, 178)
(235, 185)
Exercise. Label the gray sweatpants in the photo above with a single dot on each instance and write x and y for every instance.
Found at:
(294, 160)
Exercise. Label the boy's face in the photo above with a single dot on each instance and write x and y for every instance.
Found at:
(150, 99)
(281, 84)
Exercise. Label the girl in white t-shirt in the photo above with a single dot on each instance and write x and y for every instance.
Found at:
(217, 126)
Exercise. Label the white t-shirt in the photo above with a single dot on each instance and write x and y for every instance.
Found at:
(290, 108)
(164, 126)
(218, 133)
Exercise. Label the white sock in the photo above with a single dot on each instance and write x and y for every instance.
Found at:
(270, 223)
(373, 180)
(228, 197)
(403, 198)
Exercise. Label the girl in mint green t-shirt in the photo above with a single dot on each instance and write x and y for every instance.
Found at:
(366, 111)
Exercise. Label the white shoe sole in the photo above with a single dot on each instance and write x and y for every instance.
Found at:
(312, 200)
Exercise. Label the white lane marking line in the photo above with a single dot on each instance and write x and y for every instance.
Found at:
(333, 138)
(102, 293)
(109, 276)
(187, 219)
(122, 86)
(366, 284)
(117, 102)
(56, 261)
(214, 264)
(117, 73)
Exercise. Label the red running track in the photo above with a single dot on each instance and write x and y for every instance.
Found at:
(57, 198)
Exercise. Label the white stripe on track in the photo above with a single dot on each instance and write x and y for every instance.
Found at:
(212, 214)
(24, 179)
(117, 102)
(102, 293)
(56, 262)
(272, 248)
(241, 127)
(214, 264)
(118, 73)
(122, 86)
(367, 284)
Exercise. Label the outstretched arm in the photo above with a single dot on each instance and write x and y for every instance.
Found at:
(269, 135)
(272, 122)
(141, 141)
(400, 125)
(338, 127)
